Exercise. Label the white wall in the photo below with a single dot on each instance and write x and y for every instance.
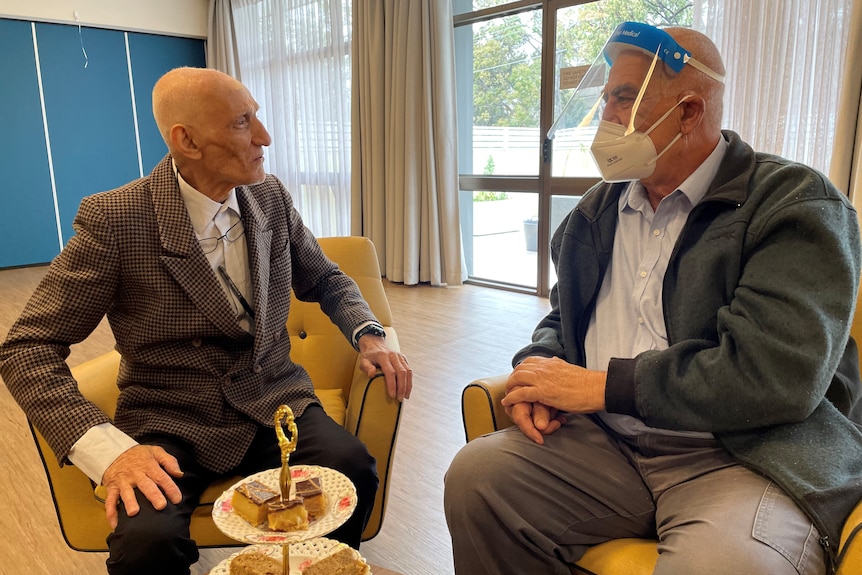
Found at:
(187, 18)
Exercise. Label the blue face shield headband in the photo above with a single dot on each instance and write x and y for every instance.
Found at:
(653, 42)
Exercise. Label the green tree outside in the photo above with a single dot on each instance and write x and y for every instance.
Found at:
(507, 52)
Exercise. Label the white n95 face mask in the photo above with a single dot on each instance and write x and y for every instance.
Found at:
(622, 157)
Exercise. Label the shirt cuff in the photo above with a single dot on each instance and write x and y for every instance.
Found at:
(97, 449)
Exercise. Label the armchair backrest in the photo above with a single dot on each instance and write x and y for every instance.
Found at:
(332, 365)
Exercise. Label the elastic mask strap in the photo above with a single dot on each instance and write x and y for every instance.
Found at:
(666, 148)
(666, 114)
(678, 136)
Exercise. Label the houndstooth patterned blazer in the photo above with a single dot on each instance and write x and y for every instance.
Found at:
(188, 369)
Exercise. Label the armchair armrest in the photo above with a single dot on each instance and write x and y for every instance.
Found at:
(481, 408)
(851, 537)
(374, 417)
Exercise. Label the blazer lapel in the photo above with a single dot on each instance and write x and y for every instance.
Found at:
(259, 236)
(181, 254)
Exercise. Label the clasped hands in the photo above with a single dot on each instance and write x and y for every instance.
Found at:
(541, 390)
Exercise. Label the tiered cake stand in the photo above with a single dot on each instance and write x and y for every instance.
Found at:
(308, 543)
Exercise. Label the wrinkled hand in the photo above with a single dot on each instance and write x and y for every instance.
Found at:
(557, 386)
(147, 467)
(374, 355)
(535, 420)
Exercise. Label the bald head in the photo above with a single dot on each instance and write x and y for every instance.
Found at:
(209, 122)
(704, 51)
(185, 95)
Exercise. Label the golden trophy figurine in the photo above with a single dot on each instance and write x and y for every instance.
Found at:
(284, 417)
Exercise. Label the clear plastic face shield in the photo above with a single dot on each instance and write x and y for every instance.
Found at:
(618, 96)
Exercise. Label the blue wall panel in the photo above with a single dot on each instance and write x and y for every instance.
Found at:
(90, 123)
(28, 233)
(88, 105)
(151, 57)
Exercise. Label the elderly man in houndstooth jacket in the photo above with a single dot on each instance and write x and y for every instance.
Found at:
(193, 266)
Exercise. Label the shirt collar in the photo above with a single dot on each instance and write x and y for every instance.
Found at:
(202, 210)
(693, 187)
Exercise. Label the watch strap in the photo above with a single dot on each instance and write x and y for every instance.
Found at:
(373, 328)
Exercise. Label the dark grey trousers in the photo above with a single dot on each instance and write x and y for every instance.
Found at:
(517, 507)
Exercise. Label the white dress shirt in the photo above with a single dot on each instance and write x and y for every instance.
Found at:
(629, 318)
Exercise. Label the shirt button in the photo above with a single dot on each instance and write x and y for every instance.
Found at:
(643, 274)
(656, 232)
(303, 335)
(641, 320)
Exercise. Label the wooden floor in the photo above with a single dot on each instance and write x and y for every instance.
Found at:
(450, 336)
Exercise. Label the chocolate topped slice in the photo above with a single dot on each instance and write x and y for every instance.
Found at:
(308, 487)
(249, 501)
(257, 492)
(289, 515)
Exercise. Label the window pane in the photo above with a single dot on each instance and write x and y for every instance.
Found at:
(504, 237)
(498, 77)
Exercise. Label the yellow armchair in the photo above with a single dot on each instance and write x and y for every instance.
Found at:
(483, 413)
(347, 394)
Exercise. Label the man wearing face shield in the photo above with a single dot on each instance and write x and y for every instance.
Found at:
(694, 381)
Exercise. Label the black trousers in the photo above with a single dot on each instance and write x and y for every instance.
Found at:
(158, 541)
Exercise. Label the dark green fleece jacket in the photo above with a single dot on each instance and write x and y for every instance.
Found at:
(758, 300)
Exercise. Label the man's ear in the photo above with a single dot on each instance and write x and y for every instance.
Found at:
(692, 113)
(183, 142)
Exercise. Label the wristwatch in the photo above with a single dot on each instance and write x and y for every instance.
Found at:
(371, 328)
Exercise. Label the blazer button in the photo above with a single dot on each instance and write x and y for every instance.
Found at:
(303, 335)
(257, 368)
(197, 342)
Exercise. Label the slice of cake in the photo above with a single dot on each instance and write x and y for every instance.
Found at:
(287, 515)
(249, 500)
(346, 561)
(311, 493)
(253, 563)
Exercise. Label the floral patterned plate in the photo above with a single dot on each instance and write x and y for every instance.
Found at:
(301, 554)
(340, 503)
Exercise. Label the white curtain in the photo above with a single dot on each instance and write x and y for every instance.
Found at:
(405, 195)
(784, 62)
(846, 170)
(295, 60)
(221, 39)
